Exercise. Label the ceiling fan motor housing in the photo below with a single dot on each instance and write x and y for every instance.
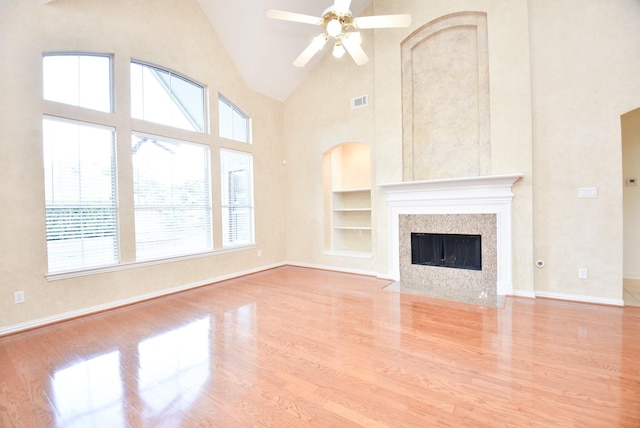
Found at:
(345, 20)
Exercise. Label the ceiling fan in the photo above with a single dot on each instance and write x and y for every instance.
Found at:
(339, 24)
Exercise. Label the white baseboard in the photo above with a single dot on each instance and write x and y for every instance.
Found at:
(524, 293)
(334, 268)
(41, 322)
(579, 298)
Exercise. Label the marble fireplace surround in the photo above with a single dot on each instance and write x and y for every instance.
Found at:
(461, 196)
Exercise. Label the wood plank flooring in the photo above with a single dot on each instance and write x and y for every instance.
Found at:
(296, 347)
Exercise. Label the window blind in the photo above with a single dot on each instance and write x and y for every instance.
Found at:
(172, 200)
(80, 195)
(236, 170)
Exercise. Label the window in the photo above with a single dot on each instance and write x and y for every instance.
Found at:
(171, 209)
(163, 97)
(172, 199)
(234, 124)
(79, 80)
(80, 195)
(237, 197)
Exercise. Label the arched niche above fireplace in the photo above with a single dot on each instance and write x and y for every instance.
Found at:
(445, 98)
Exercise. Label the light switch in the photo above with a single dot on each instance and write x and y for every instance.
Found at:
(583, 273)
(587, 192)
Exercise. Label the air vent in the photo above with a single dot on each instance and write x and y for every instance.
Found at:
(359, 102)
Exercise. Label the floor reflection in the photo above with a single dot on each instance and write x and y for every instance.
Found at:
(172, 368)
(325, 349)
(90, 393)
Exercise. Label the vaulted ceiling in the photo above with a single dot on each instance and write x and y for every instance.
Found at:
(263, 49)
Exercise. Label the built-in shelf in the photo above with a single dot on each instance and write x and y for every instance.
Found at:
(351, 222)
(348, 200)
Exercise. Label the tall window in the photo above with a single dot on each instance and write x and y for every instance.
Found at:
(236, 170)
(79, 80)
(172, 199)
(163, 97)
(171, 181)
(80, 195)
(234, 124)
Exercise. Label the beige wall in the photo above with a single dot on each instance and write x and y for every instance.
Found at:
(631, 194)
(169, 33)
(318, 116)
(561, 73)
(560, 77)
(585, 74)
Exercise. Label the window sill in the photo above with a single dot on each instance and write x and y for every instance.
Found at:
(135, 265)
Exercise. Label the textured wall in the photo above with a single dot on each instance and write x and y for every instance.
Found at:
(170, 33)
(445, 99)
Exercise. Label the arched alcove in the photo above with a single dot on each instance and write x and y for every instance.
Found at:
(347, 199)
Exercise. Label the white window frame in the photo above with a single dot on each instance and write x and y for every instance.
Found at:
(237, 127)
(234, 206)
(175, 108)
(166, 215)
(55, 88)
(82, 243)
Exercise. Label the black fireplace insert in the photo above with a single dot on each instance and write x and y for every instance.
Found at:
(447, 250)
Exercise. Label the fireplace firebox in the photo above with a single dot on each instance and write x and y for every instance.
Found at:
(447, 250)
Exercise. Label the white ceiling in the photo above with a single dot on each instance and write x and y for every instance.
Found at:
(264, 49)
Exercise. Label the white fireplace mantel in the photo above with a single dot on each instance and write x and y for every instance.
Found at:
(471, 195)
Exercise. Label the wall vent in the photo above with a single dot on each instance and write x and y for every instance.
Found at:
(359, 102)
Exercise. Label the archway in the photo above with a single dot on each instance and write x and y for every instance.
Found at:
(630, 123)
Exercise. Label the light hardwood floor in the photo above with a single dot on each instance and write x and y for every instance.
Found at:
(301, 347)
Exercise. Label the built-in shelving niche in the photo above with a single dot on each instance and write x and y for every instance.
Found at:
(347, 197)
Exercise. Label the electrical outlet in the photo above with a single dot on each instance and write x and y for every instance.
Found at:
(18, 297)
(583, 273)
(259, 253)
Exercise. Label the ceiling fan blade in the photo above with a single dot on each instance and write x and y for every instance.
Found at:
(314, 47)
(351, 43)
(341, 5)
(382, 21)
(294, 17)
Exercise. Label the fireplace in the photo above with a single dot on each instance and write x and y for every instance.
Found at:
(449, 250)
(462, 206)
(441, 274)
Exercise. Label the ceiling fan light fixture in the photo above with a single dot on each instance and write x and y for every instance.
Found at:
(337, 22)
(338, 50)
(334, 27)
